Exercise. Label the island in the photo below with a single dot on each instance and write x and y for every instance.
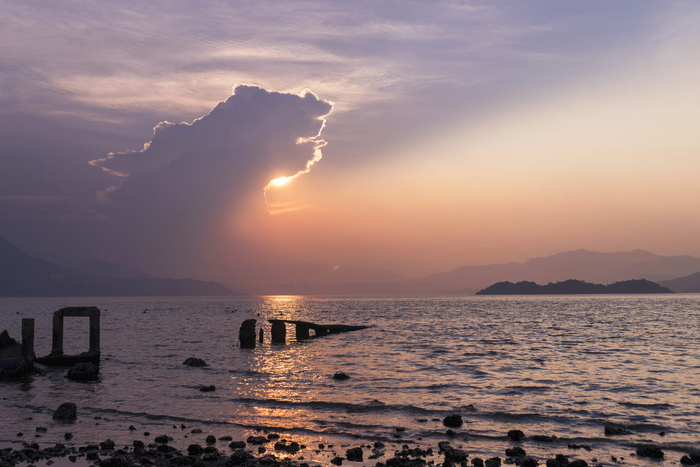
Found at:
(574, 287)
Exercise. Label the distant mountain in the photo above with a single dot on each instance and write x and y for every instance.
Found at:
(24, 275)
(105, 269)
(584, 265)
(686, 284)
(572, 286)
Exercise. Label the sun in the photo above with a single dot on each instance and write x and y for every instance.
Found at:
(278, 182)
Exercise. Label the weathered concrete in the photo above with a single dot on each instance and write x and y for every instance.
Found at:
(304, 328)
(57, 357)
(278, 331)
(246, 335)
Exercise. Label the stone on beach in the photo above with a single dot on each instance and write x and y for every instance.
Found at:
(651, 451)
(66, 412)
(516, 435)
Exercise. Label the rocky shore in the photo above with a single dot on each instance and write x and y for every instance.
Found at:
(272, 449)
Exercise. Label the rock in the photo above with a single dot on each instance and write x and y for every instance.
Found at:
(139, 445)
(162, 439)
(211, 439)
(559, 461)
(12, 361)
(84, 371)
(577, 463)
(516, 452)
(544, 438)
(66, 412)
(516, 435)
(107, 445)
(354, 454)
(453, 421)
(337, 460)
(257, 440)
(478, 462)
(686, 460)
(290, 447)
(493, 462)
(612, 429)
(651, 451)
(209, 388)
(6, 340)
(340, 376)
(529, 462)
(196, 362)
(237, 445)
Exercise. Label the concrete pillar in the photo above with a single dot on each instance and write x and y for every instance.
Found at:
(261, 335)
(57, 337)
(278, 332)
(302, 331)
(28, 339)
(246, 335)
(95, 333)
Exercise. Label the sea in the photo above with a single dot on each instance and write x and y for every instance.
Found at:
(558, 368)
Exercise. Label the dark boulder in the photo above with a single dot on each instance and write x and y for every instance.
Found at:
(612, 429)
(354, 454)
(516, 435)
(211, 439)
(209, 388)
(529, 462)
(194, 449)
(340, 376)
(84, 371)
(493, 462)
(453, 421)
(651, 451)
(237, 445)
(517, 451)
(257, 440)
(577, 463)
(66, 412)
(196, 362)
(292, 447)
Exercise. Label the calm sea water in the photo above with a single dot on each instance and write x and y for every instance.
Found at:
(560, 366)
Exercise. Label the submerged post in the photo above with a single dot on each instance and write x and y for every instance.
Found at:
(28, 339)
(246, 335)
(278, 332)
(302, 330)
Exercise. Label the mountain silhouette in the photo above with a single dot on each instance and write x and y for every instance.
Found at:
(583, 265)
(24, 275)
(572, 286)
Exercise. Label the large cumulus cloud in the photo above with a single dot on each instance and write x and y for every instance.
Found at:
(175, 200)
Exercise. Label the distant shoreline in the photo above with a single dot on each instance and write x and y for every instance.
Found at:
(574, 287)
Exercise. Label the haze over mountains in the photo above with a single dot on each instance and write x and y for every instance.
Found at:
(24, 275)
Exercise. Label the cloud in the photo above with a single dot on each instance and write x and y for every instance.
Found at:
(175, 201)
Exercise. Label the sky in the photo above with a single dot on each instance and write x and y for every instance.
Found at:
(417, 136)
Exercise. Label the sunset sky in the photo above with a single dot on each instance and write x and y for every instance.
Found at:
(452, 132)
